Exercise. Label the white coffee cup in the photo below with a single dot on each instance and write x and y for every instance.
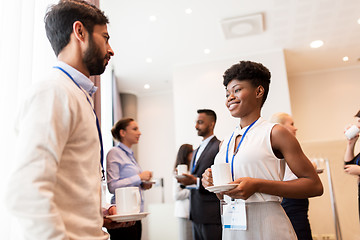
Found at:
(221, 174)
(182, 168)
(352, 132)
(127, 200)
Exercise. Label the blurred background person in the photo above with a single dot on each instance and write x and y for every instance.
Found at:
(296, 209)
(182, 195)
(204, 205)
(122, 170)
(352, 162)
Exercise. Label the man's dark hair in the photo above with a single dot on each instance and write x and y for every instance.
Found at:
(209, 113)
(60, 18)
(253, 72)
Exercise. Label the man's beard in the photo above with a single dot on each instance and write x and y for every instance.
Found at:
(203, 133)
(93, 59)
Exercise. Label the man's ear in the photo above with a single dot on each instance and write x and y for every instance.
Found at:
(79, 31)
(212, 125)
(260, 91)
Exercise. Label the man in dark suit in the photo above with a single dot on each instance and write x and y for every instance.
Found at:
(204, 205)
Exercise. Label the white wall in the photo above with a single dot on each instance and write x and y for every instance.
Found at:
(156, 152)
(200, 86)
(324, 102)
(106, 110)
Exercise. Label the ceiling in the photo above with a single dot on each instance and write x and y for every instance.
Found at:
(177, 38)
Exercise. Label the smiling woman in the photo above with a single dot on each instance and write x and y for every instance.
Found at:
(257, 151)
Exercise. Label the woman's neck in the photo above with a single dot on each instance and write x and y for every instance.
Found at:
(126, 143)
(249, 119)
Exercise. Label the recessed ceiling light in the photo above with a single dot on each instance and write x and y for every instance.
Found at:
(148, 60)
(358, 21)
(346, 58)
(206, 51)
(188, 11)
(316, 44)
(146, 86)
(152, 18)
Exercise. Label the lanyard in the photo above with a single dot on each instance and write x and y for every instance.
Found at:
(227, 150)
(194, 162)
(97, 122)
(193, 166)
(131, 157)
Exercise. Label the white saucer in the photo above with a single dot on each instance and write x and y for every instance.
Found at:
(221, 188)
(128, 217)
(151, 182)
(180, 176)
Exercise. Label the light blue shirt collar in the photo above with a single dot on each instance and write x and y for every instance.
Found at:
(126, 148)
(202, 146)
(84, 82)
(206, 141)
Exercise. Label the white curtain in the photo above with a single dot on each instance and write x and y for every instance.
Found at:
(110, 111)
(116, 102)
(24, 54)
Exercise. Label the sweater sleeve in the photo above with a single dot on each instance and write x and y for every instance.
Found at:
(42, 131)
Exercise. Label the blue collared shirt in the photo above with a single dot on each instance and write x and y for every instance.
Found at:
(83, 81)
(122, 170)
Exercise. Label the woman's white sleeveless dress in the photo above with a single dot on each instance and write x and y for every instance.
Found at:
(266, 219)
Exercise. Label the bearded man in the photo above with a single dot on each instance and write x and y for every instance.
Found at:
(204, 205)
(55, 189)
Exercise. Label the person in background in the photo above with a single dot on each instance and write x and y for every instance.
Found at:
(204, 205)
(296, 209)
(55, 188)
(352, 162)
(122, 170)
(182, 195)
(257, 151)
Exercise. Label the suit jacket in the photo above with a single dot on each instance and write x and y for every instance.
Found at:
(204, 205)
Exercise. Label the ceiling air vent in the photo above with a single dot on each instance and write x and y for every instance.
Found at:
(242, 26)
